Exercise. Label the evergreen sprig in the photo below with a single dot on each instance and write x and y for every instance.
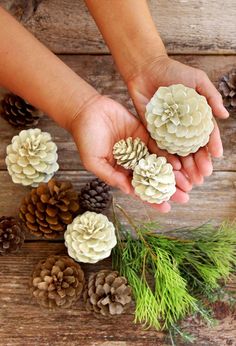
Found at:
(169, 273)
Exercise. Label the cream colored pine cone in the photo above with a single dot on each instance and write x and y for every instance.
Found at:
(32, 157)
(128, 152)
(153, 179)
(179, 119)
(90, 237)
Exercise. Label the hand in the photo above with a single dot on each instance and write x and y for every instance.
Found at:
(97, 127)
(164, 72)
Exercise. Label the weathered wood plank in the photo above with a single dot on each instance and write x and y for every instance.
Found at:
(186, 26)
(101, 73)
(215, 200)
(23, 320)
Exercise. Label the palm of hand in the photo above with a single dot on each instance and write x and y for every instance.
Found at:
(97, 128)
(165, 72)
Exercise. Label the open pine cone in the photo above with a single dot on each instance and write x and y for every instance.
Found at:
(128, 152)
(57, 282)
(179, 119)
(107, 293)
(18, 112)
(48, 209)
(95, 196)
(31, 157)
(227, 87)
(90, 237)
(154, 179)
(11, 235)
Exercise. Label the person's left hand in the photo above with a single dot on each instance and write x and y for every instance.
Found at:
(164, 72)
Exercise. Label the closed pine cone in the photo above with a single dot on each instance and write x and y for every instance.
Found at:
(11, 235)
(128, 152)
(227, 87)
(57, 282)
(107, 293)
(95, 196)
(48, 209)
(18, 112)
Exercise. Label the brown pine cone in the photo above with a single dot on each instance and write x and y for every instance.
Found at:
(18, 112)
(57, 281)
(11, 235)
(48, 209)
(107, 293)
(95, 196)
(227, 87)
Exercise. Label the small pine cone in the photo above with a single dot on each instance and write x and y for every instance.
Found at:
(57, 282)
(18, 112)
(227, 87)
(95, 196)
(129, 152)
(48, 209)
(154, 179)
(107, 293)
(11, 235)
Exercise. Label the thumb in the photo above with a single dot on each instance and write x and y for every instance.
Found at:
(104, 170)
(214, 98)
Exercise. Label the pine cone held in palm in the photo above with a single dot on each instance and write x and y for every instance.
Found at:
(107, 293)
(11, 235)
(48, 209)
(227, 87)
(95, 196)
(57, 282)
(18, 112)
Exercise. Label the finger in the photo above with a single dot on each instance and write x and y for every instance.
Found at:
(215, 146)
(104, 170)
(203, 162)
(214, 98)
(182, 182)
(180, 196)
(191, 169)
(172, 159)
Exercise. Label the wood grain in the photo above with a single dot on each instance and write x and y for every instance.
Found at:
(215, 200)
(22, 320)
(187, 27)
(101, 73)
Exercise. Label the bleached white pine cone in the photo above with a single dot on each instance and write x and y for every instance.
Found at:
(90, 237)
(128, 152)
(154, 179)
(32, 157)
(179, 119)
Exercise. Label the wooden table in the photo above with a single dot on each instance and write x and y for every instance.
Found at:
(202, 34)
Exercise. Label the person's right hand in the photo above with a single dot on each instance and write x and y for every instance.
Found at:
(97, 127)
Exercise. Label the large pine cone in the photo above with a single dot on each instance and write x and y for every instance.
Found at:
(154, 179)
(11, 235)
(18, 112)
(90, 237)
(227, 87)
(129, 152)
(95, 196)
(57, 282)
(107, 293)
(48, 209)
(179, 119)
(32, 157)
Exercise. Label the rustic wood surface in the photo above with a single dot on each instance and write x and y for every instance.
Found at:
(188, 28)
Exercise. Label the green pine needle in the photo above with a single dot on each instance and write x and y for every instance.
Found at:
(167, 273)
